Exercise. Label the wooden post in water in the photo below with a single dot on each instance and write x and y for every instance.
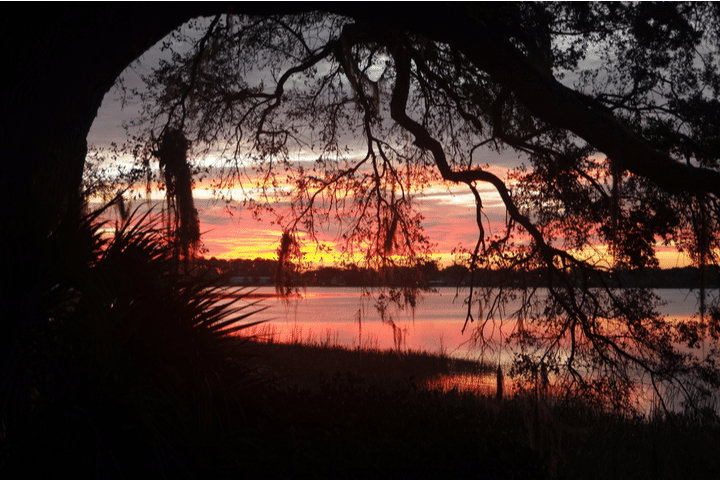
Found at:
(499, 389)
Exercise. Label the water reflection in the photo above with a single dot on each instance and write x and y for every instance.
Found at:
(346, 317)
(349, 318)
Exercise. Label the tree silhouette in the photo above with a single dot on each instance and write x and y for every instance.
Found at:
(613, 106)
(183, 223)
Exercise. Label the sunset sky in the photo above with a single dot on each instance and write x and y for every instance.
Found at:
(449, 210)
(449, 222)
(229, 233)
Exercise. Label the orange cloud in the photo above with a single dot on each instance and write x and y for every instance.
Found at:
(450, 223)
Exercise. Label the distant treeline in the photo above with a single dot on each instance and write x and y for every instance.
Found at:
(262, 272)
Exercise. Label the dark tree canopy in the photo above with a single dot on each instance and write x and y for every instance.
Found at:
(613, 107)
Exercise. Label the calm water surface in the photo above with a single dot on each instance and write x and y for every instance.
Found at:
(346, 317)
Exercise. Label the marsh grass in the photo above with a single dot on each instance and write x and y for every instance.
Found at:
(297, 334)
(307, 364)
(353, 413)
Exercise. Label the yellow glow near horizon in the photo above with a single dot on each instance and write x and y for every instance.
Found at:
(450, 223)
(599, 255)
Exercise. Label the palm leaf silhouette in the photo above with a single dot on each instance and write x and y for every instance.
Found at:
(131, 363)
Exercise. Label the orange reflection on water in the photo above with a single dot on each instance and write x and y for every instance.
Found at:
(479, 384)
(344, 317)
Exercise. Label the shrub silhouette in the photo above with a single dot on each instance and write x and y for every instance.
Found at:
(134, 364)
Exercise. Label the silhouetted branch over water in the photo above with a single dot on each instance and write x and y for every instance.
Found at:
(115, 364)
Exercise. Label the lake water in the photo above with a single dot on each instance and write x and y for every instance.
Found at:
(344, 316)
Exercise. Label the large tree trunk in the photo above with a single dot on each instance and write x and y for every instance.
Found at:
(59, 61)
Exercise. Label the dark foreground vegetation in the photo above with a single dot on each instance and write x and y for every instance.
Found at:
(369, 414)
(329, 412)
(135, 372)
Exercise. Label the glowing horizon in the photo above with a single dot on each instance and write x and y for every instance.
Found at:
(449, 224)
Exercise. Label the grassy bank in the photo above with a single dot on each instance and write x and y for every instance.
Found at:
(321, 411)
(370, 414)
(307, 365)
(366, 414)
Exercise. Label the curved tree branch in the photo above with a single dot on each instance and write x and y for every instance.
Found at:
(424, 140)
(491, 51)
